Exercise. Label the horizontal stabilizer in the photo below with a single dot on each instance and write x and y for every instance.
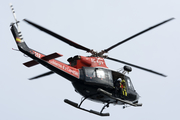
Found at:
(46, 58)
(51, 56)
(30, 63)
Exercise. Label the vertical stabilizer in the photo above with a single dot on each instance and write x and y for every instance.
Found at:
(17, 32)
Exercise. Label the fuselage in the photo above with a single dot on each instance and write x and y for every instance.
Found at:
(87, 74)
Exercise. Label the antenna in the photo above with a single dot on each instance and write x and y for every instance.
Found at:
(18, 27)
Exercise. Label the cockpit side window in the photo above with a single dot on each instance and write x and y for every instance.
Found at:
(119, 77)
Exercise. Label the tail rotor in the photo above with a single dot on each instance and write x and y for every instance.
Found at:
(18, 27)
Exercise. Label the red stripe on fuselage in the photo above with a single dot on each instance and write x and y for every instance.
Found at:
(66, 68)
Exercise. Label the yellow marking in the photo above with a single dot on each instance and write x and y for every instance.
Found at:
(18, 39)
(124, 92)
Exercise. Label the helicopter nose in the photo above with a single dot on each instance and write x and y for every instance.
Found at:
(137, 98)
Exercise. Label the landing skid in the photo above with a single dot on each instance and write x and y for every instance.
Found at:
(106, 105)
(90, 111)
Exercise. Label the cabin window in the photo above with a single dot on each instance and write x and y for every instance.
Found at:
(99, 76)
(90, 73)
(100, 73)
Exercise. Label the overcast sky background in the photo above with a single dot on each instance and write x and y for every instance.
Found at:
(96, 24)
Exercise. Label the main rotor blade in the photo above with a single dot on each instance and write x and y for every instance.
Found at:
(58, 36)
(106, 50)
(42, 75)
(148, 70)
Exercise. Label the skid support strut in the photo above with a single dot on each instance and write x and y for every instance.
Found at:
(82, 101)
(106, 105)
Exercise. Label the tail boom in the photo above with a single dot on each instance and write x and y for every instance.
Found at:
(48, 61)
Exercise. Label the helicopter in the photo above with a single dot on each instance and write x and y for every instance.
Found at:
(89, 75)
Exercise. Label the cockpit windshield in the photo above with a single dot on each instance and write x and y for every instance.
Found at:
(129, 83)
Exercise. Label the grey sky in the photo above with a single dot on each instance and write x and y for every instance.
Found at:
(96, 24)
